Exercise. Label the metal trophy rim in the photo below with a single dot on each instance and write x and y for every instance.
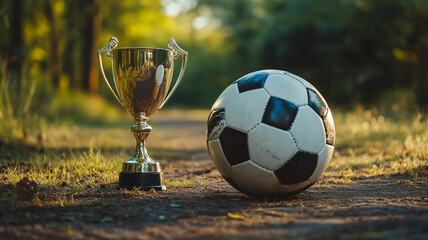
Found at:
(143, 48)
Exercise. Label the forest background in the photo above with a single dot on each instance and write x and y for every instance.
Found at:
(357, 53)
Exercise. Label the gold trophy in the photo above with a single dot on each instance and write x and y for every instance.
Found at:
(142, 77)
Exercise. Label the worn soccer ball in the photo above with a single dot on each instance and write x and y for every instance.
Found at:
(271, 133)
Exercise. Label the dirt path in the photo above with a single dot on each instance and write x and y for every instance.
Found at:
(199, 204)
(212, 209)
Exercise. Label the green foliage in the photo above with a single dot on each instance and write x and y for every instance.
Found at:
(353, 51)
(75, 106)
(350, 50)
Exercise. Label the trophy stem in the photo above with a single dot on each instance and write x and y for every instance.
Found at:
(141, 130)
(141, 171)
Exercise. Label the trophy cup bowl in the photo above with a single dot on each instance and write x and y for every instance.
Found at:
(142, 77)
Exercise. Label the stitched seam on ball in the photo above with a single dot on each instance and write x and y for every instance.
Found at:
(270, 94)
(295, 144)
(227, 125)
(304, 151)
(285, 162)
(308, 87)
(236, 95)
(225, 112)
(282, 99)
(294, 139)
(261, 166)
(288, 74)
(291, 125)
(254, 127)
(237, 129)
(261, 120)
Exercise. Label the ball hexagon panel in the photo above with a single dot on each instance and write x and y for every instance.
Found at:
(225, 97)
(317, 102)
(254, 179)
(270, 147)
(245, 111)
(287, 88)
(216, 123)
(330, 130)
(234, 144)
(298, 169)
(252, 81)
(217, 156)
(308, 130)
(324, 158)
(279, 113)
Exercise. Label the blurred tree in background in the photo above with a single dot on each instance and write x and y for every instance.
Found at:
(353, 51)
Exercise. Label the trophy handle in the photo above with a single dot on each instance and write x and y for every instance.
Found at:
(176, 50)
(108, 50)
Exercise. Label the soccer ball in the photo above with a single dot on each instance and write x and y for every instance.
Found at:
(271, 133)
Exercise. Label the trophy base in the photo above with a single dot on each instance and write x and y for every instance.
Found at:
(143, 180)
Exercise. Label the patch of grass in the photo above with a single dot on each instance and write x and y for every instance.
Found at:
(180, 183)
(370, 144)
(16, 118)
(59, 176)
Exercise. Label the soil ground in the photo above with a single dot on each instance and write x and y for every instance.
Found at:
(199, 204)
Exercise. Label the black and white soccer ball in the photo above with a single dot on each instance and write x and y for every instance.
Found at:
(271, 133)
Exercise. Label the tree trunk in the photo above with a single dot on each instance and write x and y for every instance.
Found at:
(91, 29)
(16, 51)
(55, 59)
(71, 63)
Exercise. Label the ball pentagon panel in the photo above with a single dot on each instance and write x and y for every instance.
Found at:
(234, 144)
(317, 102)
(279, 113)
(252, 81)
(298, 169)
